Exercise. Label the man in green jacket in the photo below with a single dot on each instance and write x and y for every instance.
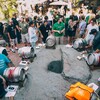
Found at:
(58, 29)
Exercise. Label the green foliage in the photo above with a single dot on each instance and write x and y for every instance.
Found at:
(8, 7)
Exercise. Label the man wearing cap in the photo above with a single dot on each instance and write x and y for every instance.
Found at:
(24, 31)
(91, 26)
(58, 29)
(94, 40)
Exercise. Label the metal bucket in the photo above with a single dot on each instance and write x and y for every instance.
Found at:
(3, 43)
(79, 43)
(14, 74)
(93, 59)
(26, 52)
(50, 42)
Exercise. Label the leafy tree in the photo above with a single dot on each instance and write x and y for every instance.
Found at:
(8, 7)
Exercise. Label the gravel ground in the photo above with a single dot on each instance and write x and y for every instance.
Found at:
(42, 84)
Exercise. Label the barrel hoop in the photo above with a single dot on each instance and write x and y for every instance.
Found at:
(50, 39)
(93, 60)
(98, 63)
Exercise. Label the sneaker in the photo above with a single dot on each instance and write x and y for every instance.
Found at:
(8, 50)
(12, 50)
(43, 44)
(16, 48)
(37, 47)
(69, 46)
(35, 55)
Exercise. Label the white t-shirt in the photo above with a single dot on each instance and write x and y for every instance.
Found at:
(50, 17)
(32, 34)
(89, 28)
(82, 26)
(90, 39)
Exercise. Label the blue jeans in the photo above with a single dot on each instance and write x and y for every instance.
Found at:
(33, 45)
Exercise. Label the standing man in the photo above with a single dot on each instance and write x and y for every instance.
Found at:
(17, 28)
(12, 36)
(32, 34)
(45, 28)
(58, 29)
(70, 31)
(82, 26)
(24, 31)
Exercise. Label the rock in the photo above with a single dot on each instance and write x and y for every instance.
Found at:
(74, 69)
(55, 66)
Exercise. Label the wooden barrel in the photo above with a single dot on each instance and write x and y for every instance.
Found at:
(79, 43)
(14, 74)
(26, 52)
(50, 42)
(93, 59)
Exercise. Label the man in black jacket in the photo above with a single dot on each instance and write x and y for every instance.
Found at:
(96, 40)
(17, 28)
(12, 35)
(45, 28)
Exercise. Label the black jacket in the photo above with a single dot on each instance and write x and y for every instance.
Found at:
(96, 41)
